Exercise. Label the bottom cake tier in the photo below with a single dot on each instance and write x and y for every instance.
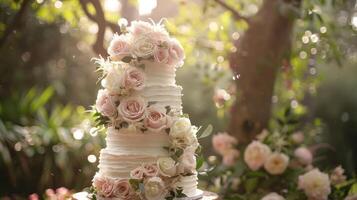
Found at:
(129, 156)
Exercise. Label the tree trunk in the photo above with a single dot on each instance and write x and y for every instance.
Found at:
(257, 59)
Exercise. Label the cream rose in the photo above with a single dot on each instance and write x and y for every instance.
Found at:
(303, 155)
(123, 190)
(105, 186)
(154, 189)
(150, 169)
(276, 163)
(181, 128)
(167, 166)
(105, 103)
(143, 47)
(132, 108)
(273, 196)
(113, 78)
(315, 184)
(223, 142)
(134, 78)
(156, 119)
(119, 47)
(139, 27)
(256, 154)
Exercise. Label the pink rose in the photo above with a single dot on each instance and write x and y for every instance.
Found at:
(256, 154)
(230, 157)
(176, 52)
(105, 104)
(303, 155)
(223, 142)
(140, 27)
(315, 184)
(133, 78)
(337, 176)
(123, 190)
(137, 173)
(33, 196)
(150, 170)
(132, 108)
(119, 47)
(105, 186)
(187, 162)
(161, 55)
(156, 119)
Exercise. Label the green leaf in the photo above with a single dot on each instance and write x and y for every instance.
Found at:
(134, 183)
(207, 132)
(127, 59)
(199, 162)
(251, 184)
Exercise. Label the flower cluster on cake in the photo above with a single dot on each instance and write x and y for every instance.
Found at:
(151, 145)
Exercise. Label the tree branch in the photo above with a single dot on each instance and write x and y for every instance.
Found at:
(17, 19)
(99, 19)
(234, 12)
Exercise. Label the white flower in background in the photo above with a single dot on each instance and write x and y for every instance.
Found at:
(351, 197)
(337, 176)
(132, 108)
(223, 142)
(143, 47)
(181, 128)
(315, 184)
(273, 196)
(134, 78)
(119, 47)
(105, 103)
(113, 78)
(256, 154)
(298, 137)
(303, 155)
(154, 189)
(187, 162)
(167, 166)
(276, 163)
(156, 119)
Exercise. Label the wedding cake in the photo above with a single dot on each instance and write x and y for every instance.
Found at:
(151, 146)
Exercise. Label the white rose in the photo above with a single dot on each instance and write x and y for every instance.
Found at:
(167, 166)
(256, 154)
(143, 47)
(187, 162)
(181, 128)
(113, 78)
(154, 189)
(315, 184)
(272, 196)
(276, 163)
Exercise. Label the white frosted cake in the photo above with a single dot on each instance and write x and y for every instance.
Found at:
(151, 146)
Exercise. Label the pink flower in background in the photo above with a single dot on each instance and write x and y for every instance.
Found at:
(230, 157)
(34, 196)
(161, 55)
(132, 108)
(303, 155)
(223, 142)
(220, 97)
(256, 154)
(150, 169)
(315, 184)
(298, 137)
(105, 104)
(337, 176)
(123, 190)
(134, 78)
(137, 173)
(176, 52)
(119, 47)
(105, 186)
(273, 196)
(156, 119)
(61, 193)
(276, 163)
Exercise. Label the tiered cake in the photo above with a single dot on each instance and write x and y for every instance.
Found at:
(151, 145)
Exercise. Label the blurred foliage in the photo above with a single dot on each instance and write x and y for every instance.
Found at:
(45, 143)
